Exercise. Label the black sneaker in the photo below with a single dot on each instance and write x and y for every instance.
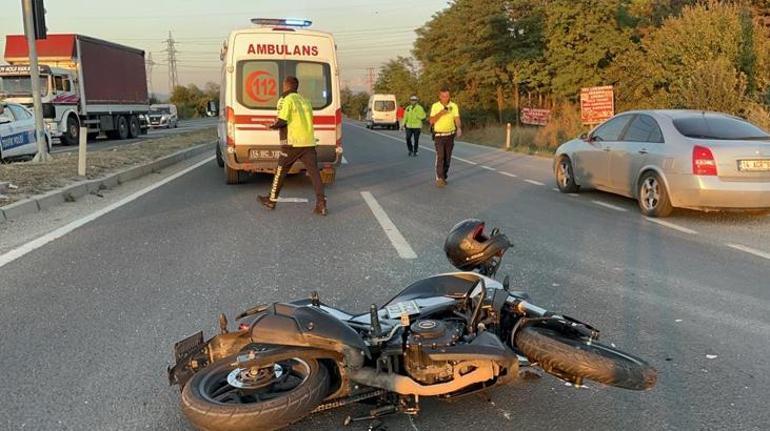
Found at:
(266, 202)
(411, 154)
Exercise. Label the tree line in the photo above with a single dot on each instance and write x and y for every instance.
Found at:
(501, 55)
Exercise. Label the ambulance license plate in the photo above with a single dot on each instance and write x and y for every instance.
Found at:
(263, 155)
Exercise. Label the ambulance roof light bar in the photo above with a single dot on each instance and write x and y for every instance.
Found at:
(288, 22)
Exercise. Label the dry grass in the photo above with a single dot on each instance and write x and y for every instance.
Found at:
(522, 139)
(35, 178)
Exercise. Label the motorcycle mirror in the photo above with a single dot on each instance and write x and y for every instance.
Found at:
(506, 282)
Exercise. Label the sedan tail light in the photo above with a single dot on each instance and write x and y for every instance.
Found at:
(703, 162)
(230, 115)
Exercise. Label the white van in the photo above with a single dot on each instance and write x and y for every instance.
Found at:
(382, 111)
(255, 63)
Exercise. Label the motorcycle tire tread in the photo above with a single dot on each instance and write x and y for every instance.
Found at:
(273, 414)
(572, 356)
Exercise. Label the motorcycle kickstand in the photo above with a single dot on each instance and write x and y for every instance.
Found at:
(373, 414)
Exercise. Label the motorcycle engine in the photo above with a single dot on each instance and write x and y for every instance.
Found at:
(425, 337)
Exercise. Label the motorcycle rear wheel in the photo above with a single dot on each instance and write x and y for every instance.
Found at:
(210, 403)
(563, 355)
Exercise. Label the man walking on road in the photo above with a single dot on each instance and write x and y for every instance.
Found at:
(295, 128)
(445, 119)
(413, 117)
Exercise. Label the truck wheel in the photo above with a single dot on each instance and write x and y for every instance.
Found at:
(122, 131)
(133, 127)
(232, 176)
(72, 135)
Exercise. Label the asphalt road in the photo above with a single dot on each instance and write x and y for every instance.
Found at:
(90, 318)
(103, 143)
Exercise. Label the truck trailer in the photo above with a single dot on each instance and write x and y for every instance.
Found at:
(84, 82)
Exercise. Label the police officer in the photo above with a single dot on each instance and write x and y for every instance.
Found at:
(295, 128)
(413, 117)
(445, 120)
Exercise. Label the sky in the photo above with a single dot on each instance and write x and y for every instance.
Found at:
(368, 33)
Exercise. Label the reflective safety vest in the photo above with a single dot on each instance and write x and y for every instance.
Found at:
(298, 114)
(445, 124)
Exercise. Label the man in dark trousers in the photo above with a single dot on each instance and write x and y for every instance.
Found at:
(413, 118)
(445, 120)
(295, 128)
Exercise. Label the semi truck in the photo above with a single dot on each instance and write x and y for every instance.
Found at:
(84, 82)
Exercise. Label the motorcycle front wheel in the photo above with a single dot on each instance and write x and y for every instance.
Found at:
(563, 356)
(222, 397)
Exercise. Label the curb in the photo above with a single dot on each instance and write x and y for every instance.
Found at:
(74, 191)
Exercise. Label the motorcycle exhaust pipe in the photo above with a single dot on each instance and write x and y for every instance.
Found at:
(406, 386)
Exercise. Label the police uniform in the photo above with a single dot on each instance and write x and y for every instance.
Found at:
(295, 125)
(444, 130)
(413, 117)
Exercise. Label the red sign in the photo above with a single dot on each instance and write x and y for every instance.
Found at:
(261, 86)
(597, 104)
(534, 116)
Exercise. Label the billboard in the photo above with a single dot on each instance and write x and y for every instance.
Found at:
(597, 104)
(535, 116)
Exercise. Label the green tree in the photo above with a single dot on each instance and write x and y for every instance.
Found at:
(353, 104)
(191, 101)
(583, 39)
(397, 76)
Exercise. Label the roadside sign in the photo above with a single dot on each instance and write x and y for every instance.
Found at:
(535, 116)
(597, 104)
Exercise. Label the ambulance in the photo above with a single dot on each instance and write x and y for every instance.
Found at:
(255, 62)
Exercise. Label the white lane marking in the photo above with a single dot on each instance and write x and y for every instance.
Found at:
(556, 189)
(399, 242)
(537, 183)
(507, 174)
(60, 232)
(293, 200)
(610, 206)
(465, 160)
(750, 250)
(489, 168)
(672, 225)
(344, 160)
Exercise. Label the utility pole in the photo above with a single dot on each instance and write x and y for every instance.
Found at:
(28, 10)
(173, 78)
(149, 64)
(370, 79)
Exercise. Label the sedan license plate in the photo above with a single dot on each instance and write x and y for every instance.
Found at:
(754, 165)
(257, 154)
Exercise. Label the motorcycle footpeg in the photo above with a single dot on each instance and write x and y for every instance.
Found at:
(373, 414)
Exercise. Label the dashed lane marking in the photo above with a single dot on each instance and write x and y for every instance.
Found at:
(402, 247)
(610, 206)
(671, 225)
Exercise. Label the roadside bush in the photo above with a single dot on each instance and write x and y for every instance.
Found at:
(565, 124)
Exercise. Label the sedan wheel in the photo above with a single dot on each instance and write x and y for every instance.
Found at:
(653, 196)
(565, 178)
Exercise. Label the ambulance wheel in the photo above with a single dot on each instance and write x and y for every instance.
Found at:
(232, 176)
(220, 160)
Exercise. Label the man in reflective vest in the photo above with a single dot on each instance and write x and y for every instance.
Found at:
(413, 117)
(445, 119)
(295, 128)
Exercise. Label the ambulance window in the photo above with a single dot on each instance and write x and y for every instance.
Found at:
(315, 83)
(258, 84)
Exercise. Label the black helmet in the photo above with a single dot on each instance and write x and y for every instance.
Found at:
(467, 247)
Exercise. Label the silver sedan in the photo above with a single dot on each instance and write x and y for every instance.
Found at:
(671, 159)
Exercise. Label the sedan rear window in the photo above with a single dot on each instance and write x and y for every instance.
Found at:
(719, 127)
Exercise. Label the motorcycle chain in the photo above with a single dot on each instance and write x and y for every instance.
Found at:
(341, 402)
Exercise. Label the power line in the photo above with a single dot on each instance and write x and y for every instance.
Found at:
(149, 64)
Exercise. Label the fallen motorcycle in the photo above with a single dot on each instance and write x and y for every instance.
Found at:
(444, 336)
